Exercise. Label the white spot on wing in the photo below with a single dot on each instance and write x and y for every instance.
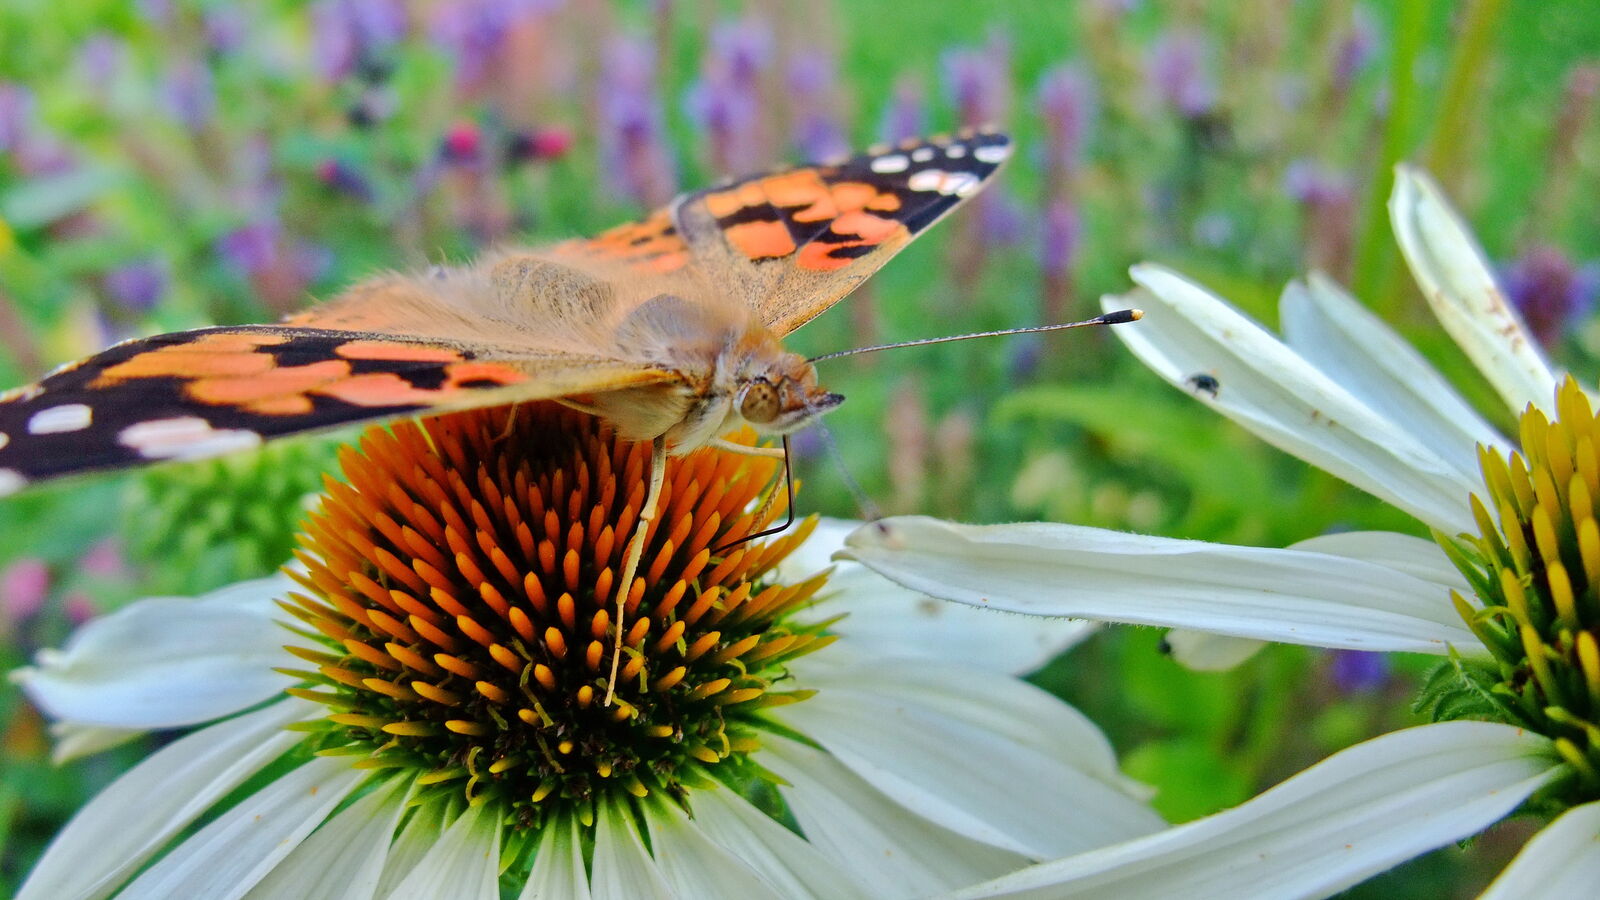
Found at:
(185, 437)
(961, 184)
(888, 165)
(993, 153)
(59, 419)
(956, 151)
(11, 481)
(922, 154)
(4, 440)
(926, 180)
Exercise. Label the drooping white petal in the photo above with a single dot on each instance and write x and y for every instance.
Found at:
(228, 857)
(695, 865)
(1280, 397)
(1418, 558)
(780, 856)
(463, 863)
(1454, 276)
(166, 662)
(417, 836)
(885, 620)
(1006, 709)
(1293, 596)
(887, 850)
(1202, 651)
(1335, 333)
(938, 760)
(1353, 815)
(343, 859)
(74, 741)
(623, 869)
(1562, 860)
(558, 872)
(135, 816)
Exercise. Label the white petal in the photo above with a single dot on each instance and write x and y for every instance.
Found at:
(887, 850)
(1349, 817)
(1562, 860)
(693, 864)
(816, 552)
(1418, 558)
(1455, 277)
(417, 836)
(782, 857)
(1354, 347)
(464, 863)
(74, 741)
(1202, 651)
(343, 859)
(558, 872)
(137, 814)
(1285, 400)
(166, 662)
(939, 760)
(1293, 596)
(623, 869)
(228, 857)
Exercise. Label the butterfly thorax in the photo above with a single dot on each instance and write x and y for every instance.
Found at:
(730, 373)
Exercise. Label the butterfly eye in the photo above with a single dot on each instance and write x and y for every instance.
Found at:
(759, 403)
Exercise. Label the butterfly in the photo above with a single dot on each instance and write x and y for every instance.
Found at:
(668, 327)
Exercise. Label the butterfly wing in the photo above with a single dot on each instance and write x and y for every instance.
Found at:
(200, 393)
(796, 242)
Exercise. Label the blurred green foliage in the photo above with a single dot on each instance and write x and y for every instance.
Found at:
(172, 163)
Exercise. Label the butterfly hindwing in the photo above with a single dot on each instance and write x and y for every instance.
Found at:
(200, 393)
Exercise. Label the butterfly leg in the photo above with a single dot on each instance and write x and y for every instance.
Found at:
(630, 562)
(747, 450)
(772, 495)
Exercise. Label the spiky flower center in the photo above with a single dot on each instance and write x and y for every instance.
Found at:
(462, 588)
(1535, 565)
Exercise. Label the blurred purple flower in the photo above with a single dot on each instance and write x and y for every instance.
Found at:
(472, 31)
(906, 115)
(1000, 219)
(188, 93)
(24, 585)
(1550, 291)
(100, 59)
(16, 116)
(462, 144)
(226, 27)
(347, 34)
(979, 81)
(1357, 671)
(1060, 236)
(250, 249)
(344, 178)
(79, 607)
(632, 147)
(1313, 184)
(1178, 70)
(726, 99)
(1066, 99)
(1355, 50)
(814, 92)
(137, 286)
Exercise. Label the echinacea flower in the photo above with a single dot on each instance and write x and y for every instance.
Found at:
(1509, 593)
(778, 730)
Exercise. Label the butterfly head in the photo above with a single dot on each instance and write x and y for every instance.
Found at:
(783, 397)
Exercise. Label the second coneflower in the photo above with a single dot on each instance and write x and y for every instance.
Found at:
(448, 731)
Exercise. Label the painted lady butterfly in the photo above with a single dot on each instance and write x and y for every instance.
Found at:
(667, 327)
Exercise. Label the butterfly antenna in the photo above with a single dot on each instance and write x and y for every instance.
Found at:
(788, 486)
(1116, 317)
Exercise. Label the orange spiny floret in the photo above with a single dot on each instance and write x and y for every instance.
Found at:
(736, 649)
(371, 655)
(593, 654)
(411, 606)
(567, 611)
(570, 569)
(555, 642)
(520, 623)
(545, 677)
(669, 637)
(503, 565)
(701, 644)
(469, 570)
(496, 601)
(600, 624)
(412, 659)
(669, 601)
(455, 665)
(698, 608)
(447, 602)
(470, 627)
(492, 691)
(433, 634)
(506, 658)
(399, 571)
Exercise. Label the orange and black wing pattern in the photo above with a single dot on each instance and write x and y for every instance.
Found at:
(797, 241)
(200, 393)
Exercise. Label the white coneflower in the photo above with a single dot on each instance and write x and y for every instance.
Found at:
(447, 732)
(1510, 591)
